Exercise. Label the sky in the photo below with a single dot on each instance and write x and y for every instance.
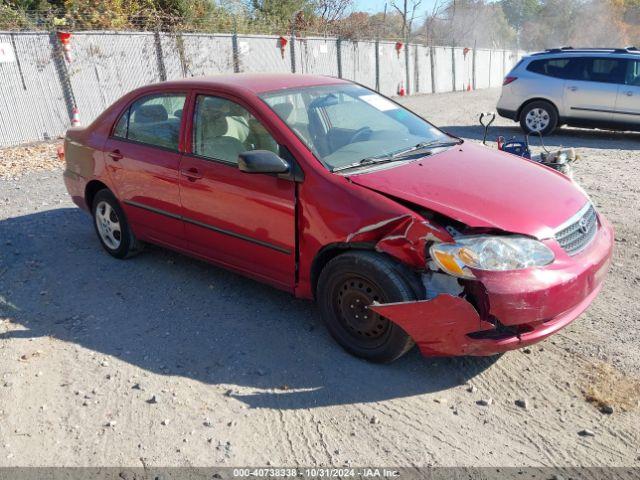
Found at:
(373, 6)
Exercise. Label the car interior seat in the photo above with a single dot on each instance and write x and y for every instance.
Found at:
(211, 131)
(151, 124)
(285, 110)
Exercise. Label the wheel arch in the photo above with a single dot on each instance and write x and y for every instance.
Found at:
(93, 187)
(328, 253)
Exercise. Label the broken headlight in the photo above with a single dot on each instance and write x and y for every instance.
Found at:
(487, 252)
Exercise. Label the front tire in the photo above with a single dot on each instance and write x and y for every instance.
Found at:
(112, 227)
(348, 284)
(539, 117)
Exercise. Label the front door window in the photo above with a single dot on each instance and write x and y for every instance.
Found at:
(223, 129)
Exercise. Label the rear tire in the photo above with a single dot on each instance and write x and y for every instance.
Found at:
(112, 227)
(347, 285)
(539, 117)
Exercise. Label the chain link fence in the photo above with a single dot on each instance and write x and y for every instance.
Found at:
(47, 78)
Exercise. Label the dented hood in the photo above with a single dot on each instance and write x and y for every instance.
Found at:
(482, 187)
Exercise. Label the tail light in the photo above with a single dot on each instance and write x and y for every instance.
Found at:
(508, 80)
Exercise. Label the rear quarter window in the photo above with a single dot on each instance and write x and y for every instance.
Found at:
(120, 129)
(555, 67)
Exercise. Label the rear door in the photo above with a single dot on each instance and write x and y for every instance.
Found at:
(628, 105)
(592, 91)
(143, 156)
(241, 220)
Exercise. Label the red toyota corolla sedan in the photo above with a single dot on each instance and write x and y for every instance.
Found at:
(402, 233)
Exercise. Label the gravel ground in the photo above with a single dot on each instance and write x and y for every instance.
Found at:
(163, 360)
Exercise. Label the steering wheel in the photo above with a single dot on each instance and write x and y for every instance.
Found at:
(361, 132)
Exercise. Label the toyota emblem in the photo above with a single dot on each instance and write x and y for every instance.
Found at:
(583, 225)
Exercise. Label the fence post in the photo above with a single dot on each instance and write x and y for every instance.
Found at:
(182, 55)
(432, 61)
(453, 68)
(339, 56)
(504, 63)
(293, 50)
(162, 71)
(18, 64)
(490, 65)
(63, 74)
(416, 70)
(473, 67)
(377, 57)
(407, 66)
(234, 47)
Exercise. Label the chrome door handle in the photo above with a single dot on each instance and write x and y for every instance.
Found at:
(115, 155)
(573, 89)
(191, 173)
(629, 93)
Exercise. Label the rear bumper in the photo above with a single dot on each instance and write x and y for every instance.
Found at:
(75, 186)
(529, 305)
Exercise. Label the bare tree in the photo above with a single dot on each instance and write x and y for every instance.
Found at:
(332, 10)
(408, 13)
(431, 19)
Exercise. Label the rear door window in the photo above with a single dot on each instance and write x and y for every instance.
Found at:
(153, 120)
(602, 70)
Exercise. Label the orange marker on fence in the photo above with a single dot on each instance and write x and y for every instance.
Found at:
(282, 45)
(65, 40)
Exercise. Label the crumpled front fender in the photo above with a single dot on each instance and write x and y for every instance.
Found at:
(403, 237)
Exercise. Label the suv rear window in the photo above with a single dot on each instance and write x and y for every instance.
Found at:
(587, 69)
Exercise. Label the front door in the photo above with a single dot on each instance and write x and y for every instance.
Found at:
(628, 106)
(241, 220)
(592, 90)
(142, 157)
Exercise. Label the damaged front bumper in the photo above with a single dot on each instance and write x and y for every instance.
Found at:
(516, 309)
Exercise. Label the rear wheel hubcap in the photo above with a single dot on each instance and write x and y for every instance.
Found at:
(537, 119)
(108, 225)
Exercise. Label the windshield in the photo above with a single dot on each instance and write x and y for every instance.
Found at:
(345, 125)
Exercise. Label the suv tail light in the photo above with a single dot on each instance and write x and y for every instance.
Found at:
(508, 80)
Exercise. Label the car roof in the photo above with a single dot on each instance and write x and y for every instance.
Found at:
(569, 52)
(255, 82)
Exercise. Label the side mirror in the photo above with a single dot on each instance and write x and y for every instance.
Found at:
(262, 161)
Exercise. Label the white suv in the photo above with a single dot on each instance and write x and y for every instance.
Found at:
(594, 88)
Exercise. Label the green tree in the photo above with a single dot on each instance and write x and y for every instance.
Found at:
(518, 12)
(281, 11)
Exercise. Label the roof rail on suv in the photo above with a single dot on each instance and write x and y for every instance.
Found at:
(629, 49)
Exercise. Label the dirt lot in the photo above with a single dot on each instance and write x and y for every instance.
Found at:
(164, 360)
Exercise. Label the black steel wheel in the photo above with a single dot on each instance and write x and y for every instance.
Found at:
(351, 282)
(350, 301)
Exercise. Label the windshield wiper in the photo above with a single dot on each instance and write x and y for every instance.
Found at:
(432, 144)
(398, 155)
(367, 161)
